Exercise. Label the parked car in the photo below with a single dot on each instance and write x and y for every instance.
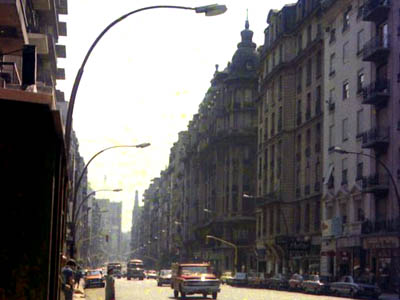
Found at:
(255, 279)
(240, 279)
(94, 278)
(314, 284)
(164, 277)
(278, 282)
(347, 286)
(295, 282)
(151, 274)
(225, 277)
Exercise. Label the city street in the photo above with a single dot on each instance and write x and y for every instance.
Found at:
(148, 290)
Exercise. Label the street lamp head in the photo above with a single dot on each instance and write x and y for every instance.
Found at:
(143, 145)
(248, 196)
(117, 190)
(339, 150)
(211, 10)
(207, 210)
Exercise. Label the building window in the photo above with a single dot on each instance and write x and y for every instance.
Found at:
(345, 130)
(359, 122)
(346, 52)
(331, 136)
(360, 167)
(299, 43)
(307, 218)
(266, 130)
(308, 108)
(309, 34)
(308, 137)
(272, 124)
(332, 35)
(346, 20)
(359, 215)
(319, 65)
(344, 171)
(280, 53)
(318, 100)
(360, 81)
(360, 41)
(280, 88)
(317, 216)
(299, 78)
(332, 64)
(309, 72)
(346, 90)
(343, 212)
(329, 212)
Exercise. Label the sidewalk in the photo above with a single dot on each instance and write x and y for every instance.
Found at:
(389, 297)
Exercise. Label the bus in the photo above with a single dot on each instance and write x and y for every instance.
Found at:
(117, 269)
(135, 269)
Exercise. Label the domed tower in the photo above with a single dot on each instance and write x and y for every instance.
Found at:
(245, 61)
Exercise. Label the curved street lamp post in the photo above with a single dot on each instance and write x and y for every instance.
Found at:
(380, 162)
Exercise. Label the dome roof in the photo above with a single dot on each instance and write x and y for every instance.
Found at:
(245, 61)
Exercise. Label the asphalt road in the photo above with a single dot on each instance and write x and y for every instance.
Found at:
(148, 290)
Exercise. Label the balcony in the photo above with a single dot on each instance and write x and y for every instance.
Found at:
(376, 10)
(376, 184)
(376, 138)
(385, 226)
(377, 93)
(377, 49)
(9, 74)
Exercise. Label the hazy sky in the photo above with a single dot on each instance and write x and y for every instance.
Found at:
(145, 80)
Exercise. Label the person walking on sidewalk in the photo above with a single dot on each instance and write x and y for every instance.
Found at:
(68, 279)
(110, 285)
(78, 276)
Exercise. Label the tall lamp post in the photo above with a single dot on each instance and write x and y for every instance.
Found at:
(380, 162)
(208, 10)
(229, 244)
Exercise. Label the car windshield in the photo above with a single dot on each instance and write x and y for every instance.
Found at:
(186, 270)
(165, 272)
(91, 273)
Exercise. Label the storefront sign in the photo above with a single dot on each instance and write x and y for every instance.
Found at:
(299, 246)
(381, 242)
(348, 242)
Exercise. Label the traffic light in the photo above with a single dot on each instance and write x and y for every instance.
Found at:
(107, 238)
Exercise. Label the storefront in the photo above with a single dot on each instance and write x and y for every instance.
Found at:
(383, 259)
(350, 258)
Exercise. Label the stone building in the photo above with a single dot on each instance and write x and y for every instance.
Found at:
(220, 163)
(290, 140)
(360, 205)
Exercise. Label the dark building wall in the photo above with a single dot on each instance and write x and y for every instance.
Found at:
(32, 185)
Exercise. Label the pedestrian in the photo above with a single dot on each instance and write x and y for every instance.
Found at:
(78, 276)
(68, 279)
(110, 285)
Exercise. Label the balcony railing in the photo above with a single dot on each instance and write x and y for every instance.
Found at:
(376, 138)
(377, 49)
(375, 183)
(377, 93)
(376, 10)
(331, 105)
(385, 226)
(9, 73)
